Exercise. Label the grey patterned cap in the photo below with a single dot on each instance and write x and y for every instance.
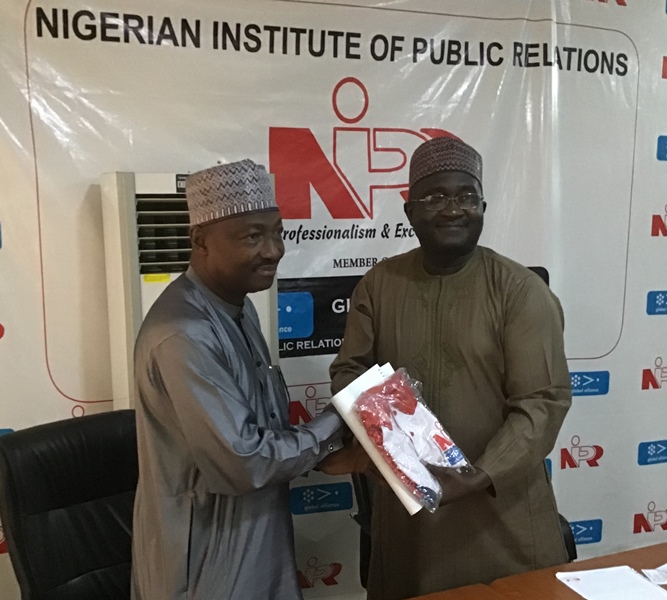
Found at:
(228, 190)
(445, 154)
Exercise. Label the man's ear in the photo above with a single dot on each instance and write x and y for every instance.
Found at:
(198, 239)
(408, 207)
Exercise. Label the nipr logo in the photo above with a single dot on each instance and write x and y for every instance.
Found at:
(651, 520)
(652, 379)
(578, 455)
(314, 572)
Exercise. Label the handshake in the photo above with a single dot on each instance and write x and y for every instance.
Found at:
(351, 458)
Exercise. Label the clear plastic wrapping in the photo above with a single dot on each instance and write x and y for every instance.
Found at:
(408, 435)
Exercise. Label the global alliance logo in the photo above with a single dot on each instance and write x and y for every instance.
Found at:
(296, 315)
(652, 379)
(309, 499)
(578, 455)
(324, 573)
(652, 453)
(656, 303)
(587, 532)
(650, 521)
(590, 383)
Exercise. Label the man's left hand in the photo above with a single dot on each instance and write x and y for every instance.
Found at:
(457, 485)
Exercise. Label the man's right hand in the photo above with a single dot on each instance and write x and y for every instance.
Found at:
(351, 458)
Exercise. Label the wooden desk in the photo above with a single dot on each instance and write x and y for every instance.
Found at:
(544, 585)
(469, 592)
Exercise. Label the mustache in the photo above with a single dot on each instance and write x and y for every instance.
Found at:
(445, 220)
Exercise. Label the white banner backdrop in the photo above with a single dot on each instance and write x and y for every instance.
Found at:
(563, 99)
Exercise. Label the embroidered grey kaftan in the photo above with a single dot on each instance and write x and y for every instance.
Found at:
(216, 452)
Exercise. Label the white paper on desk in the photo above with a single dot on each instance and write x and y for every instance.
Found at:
(657, 575)
(344, 401)
(613, 583)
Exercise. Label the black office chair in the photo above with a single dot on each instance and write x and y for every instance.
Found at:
(66, 499)
(363, 491)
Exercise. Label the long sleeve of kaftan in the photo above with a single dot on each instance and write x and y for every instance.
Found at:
(537, 384)
(234, 454)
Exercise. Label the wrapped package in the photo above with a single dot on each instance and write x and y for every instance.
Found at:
(385, 434)
(408, 436)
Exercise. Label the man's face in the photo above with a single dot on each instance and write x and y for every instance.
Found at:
(451, 230)
(240, 255)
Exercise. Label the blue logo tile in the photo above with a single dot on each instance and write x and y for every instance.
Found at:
(550, 468)
(656, 303)
(590, 383)
(652, 453)
(296, 315)
(6, 431)
(662, 147)
(587, 532)
(321, 498)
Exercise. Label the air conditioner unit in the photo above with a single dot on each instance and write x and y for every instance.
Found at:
(146, 246)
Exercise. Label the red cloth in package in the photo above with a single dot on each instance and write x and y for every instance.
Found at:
(408, 435)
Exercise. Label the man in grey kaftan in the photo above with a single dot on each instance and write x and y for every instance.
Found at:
(485, 336)
(216, 450)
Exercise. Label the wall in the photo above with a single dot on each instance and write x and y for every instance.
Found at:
(563, 99)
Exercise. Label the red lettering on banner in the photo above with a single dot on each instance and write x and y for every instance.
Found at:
(619, 2)
(648, 380)
(566, 460)
(326, 573)
(658, 226)
(298, 413)
(598, 452)
(641, 524)
(578, 454)
(304, 584)
(297, 161)
(299, 164)
(651, 520)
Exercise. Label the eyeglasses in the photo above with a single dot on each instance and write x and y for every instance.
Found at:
(469, 201)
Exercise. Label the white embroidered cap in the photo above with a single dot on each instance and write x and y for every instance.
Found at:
(227, 191)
